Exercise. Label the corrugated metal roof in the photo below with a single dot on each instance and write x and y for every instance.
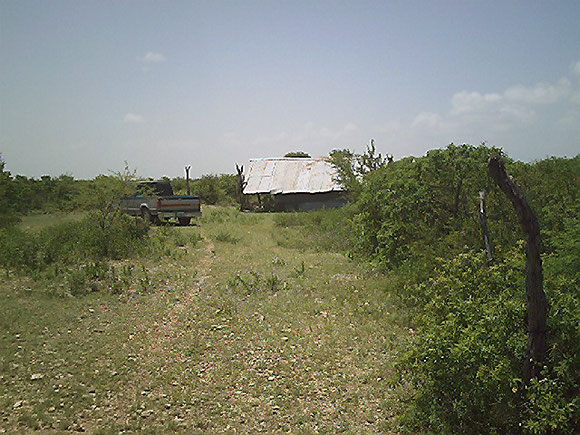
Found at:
(291, 175)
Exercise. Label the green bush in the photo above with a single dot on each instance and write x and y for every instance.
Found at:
(213, 189)
(466, 360)
(8, 220)
(554, 402)
(99, 236)
(466, 357)
(420, 208)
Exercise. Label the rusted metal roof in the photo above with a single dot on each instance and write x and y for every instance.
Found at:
(290, 175)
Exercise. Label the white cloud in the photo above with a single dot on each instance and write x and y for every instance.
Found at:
(541, 93)
(464, 103)
(134, 118)
(151, 57)
(426, 119)
(501, 116)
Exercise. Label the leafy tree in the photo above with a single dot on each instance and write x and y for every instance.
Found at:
(7, 197)
(297, 154)
(214, 189)
(352, 168)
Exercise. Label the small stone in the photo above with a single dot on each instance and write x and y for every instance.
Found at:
(36, 376)
(18, 404)
(146, 413)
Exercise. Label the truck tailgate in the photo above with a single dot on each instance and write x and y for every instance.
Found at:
(179, 203)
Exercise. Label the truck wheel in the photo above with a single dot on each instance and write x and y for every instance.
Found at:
(146, 216)
(184, 221)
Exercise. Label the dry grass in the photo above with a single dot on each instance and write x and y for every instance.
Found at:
(252, 336)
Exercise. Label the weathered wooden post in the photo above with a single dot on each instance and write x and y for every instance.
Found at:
(242, 183)
(187, 168)
(483, 224)
(537, 306)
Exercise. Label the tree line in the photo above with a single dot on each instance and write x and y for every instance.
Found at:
(21, 195)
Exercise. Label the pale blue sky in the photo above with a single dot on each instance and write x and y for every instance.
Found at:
(86, 85)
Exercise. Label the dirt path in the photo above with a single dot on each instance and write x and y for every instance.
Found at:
(170, 327)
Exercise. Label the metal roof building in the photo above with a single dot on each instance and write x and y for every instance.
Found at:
(291, 175)
(295, 183)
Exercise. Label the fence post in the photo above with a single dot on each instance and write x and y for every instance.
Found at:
(537, 305)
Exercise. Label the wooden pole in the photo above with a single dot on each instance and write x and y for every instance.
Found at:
(537, 305)
(483, 224)
(187, 168)
(242, 183)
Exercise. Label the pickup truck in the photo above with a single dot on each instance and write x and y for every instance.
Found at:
(155, 201)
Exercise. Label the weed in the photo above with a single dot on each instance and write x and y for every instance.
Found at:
(278, 261)
(226, 237)
(300, 270)
(274, 283)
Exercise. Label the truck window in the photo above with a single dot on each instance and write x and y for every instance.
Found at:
(154, 188)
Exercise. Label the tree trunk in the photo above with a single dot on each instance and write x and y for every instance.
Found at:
(242, 183)
(187, 168)
(537, 306)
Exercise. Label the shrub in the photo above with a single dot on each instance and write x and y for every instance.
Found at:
(420, 208)
(467, 355)
(226, 237)
(73, 250)
(466, 360)
(8, 220)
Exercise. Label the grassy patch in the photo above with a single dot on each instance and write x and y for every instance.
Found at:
(38, 221)
(246, 337)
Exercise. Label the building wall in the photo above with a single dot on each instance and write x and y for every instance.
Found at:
(308, 201)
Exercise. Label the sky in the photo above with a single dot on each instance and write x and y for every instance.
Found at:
(86, 86)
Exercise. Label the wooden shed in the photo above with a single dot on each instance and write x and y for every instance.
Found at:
(294, 183)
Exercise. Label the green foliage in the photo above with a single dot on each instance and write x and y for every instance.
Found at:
(426, 207)
(553, 188)
(300, 154)
(554, 403)
(226, 237)
(7, 193)
(74, 254)
(351, 167)
(213, 189)
(97, 237)
(469, 347)
(419, 218)
(253, 281)
(321, 230)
